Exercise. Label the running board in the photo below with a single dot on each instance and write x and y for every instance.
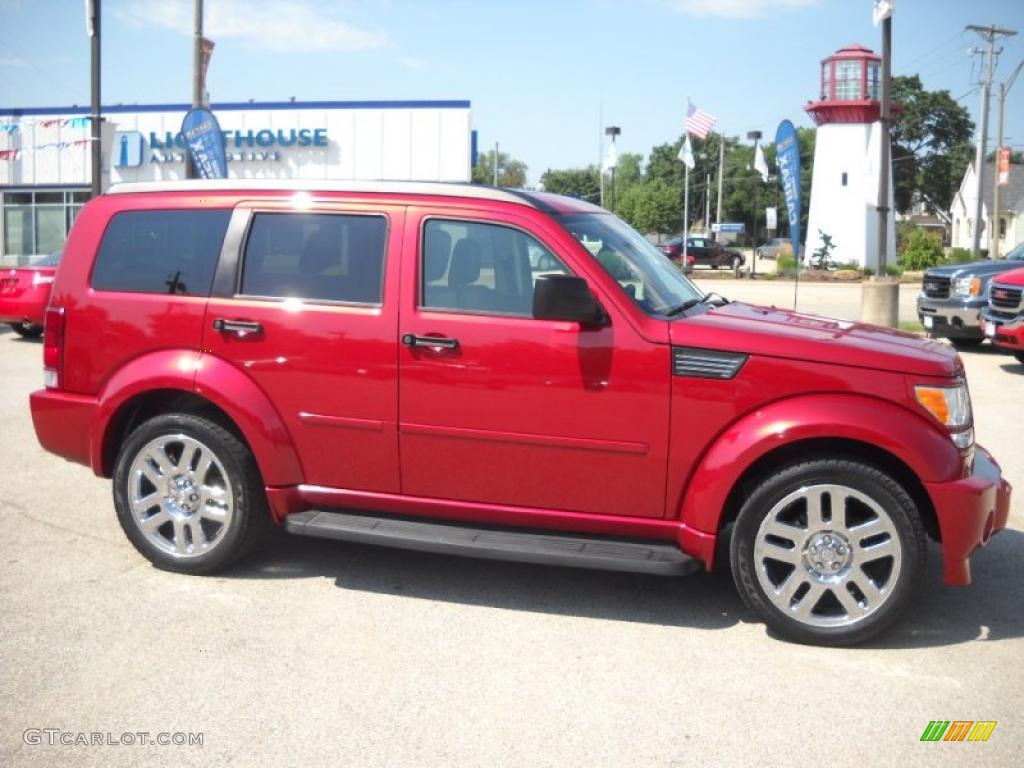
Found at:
(574, 551)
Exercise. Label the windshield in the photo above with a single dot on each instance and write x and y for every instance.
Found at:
(1017, 254)
(645, 275)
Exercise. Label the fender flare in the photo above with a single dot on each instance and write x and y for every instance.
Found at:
(214, 380)
(911, 438)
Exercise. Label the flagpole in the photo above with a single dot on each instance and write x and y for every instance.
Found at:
(707, 204)
(686, 215)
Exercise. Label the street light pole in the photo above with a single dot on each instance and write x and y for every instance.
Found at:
(613, 131)
(756, 137)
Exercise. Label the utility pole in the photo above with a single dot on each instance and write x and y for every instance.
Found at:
(989, 34)
(1004, 87)
(885, 164)
(495, 163)
(197, 77)
(92, 23)
(707, 204)
(600, 153)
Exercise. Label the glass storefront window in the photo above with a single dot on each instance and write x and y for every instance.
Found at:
(37, 222)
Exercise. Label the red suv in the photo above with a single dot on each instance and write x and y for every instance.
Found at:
(1003, 319)
(450, 368)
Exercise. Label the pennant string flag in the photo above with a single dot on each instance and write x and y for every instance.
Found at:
(698, 122)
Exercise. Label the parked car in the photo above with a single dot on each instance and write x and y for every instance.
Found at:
(378, 362)
(952, 297)
(702, 251)
(1003, 318)
(774, 247)
(24, 293)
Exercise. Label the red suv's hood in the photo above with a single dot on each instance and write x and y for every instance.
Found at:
(1013, 277)
(774, 332)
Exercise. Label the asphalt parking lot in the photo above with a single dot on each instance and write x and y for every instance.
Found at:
(321, 653)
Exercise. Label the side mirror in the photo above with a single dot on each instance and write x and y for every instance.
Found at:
(567, 298)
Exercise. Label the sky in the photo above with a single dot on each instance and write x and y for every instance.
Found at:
(543, 76)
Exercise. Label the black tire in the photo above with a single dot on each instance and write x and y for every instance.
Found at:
(27, 330)
(248, 520)
(967, 343)
(714, 265)
(1019, 356)
(905, 572)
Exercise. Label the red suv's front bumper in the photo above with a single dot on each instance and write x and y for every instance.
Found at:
(969, 512)
(1005, 332)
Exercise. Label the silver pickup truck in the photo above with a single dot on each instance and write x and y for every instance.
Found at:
(952, 297)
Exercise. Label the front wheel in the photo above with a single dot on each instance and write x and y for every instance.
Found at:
(188, 494)
(828, 552)
(27, 330)
(1020, 357)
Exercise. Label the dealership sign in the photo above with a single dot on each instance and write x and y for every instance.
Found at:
(239, 145)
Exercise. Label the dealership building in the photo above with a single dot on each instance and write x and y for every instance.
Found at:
(46, 170)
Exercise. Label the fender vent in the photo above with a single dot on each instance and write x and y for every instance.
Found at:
(706, 363)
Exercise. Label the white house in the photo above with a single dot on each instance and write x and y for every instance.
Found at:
(1011, 209)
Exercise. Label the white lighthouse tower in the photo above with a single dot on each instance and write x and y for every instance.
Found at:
(847, 155)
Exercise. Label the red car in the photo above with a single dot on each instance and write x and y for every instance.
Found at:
(1003, 319)
(24, 294)
(500, 374)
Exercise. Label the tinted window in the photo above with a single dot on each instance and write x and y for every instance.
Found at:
(319, 256)
(160, 252)
(473, 267)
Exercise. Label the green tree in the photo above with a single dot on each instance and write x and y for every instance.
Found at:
(583, 183)
(511, 172)
(931, 145)
(651, 207)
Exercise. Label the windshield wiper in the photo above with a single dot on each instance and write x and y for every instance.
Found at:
(721, 299)
(691, 303)
(688, 304)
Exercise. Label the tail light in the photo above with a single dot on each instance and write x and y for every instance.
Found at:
(691, 259)
(53, 347)
(40, 279)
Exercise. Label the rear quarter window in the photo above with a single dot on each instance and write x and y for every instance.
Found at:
(173, 252)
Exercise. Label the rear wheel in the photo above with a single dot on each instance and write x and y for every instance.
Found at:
(1020, 357)
(188, 494)
(828, 552)
(27, 330)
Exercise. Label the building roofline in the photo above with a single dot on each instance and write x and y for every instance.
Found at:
(447, 189)
(237, 106)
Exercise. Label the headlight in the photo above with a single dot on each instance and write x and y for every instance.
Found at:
(963, 287)
(950, 405)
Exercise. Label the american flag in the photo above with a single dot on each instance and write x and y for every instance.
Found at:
(698, 122)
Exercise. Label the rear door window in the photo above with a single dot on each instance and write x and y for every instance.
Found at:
(315, 256)
(171, 252)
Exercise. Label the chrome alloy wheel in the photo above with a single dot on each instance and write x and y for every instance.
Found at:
(827, 555)
(180, 496)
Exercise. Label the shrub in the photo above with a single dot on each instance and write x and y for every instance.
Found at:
(923, 249)
(785, 264)
(960, 255)
(893, 270)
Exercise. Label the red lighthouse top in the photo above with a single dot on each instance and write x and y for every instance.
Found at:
(850, 87)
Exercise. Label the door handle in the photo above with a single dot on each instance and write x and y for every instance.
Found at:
(238, 327)
(412, 341)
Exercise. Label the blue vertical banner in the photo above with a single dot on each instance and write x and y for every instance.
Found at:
(203, 138)
(788, 158)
